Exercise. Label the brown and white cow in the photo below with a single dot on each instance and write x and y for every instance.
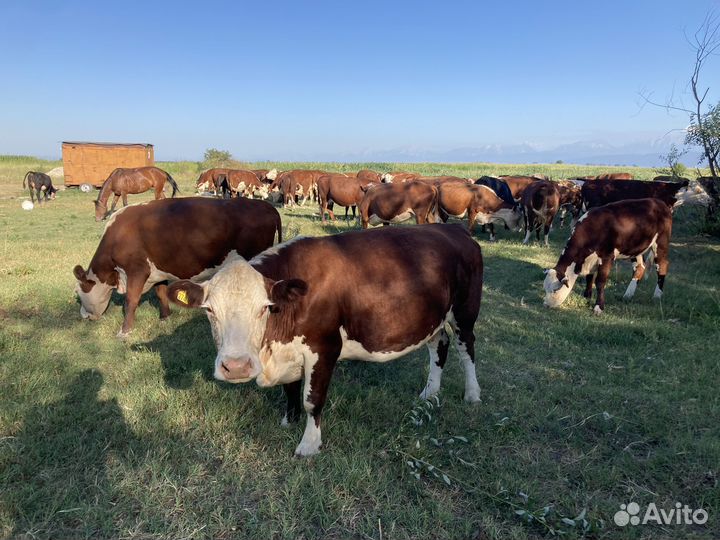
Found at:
(619, 230)
(266, 176)
(299, 183)
(479, 203)
(209, 180)
(150, 244)
(395, 203)
(398, 177)
(540, 203)
(600, 192)
(570, 199)
(242, 183)
(342, 190)
(293, 311)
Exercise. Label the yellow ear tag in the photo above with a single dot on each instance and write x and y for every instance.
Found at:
(182, 297)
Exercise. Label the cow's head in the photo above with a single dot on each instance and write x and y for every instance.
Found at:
(693, 193)
(238, 301)
(558, 285)
(272, 174)
(386, 178)
(94, 295)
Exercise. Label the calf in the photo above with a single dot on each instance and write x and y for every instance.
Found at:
(479, 203)
(295, 310)
(39, 183)
(540, 203)
(395, 203)
(620, 230)
(600, 192)
(147, 245)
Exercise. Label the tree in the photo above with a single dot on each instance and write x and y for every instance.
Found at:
(704, 127)
(216, 158)
(672, 158)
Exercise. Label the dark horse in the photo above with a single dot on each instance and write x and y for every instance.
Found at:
(137, 180)
(40, 183)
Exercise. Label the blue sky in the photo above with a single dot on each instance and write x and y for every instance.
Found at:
(293, 80)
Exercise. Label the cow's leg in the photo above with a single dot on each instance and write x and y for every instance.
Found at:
(124, 197)
(318, 371)
(135, 283)
(162, 295)
(603, 273)
(546, 232)
(491, 226)
(661, 265)
(528, 227)
(38, 195)
(466, 351)
(589, 280)
(438, 350)
(293, 394)
(638, 272)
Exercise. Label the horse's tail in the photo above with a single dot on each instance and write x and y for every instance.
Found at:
(25, 177)
(173, 184)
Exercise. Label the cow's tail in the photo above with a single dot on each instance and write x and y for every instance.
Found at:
(25, 178)
(173, 184)
(435, 206)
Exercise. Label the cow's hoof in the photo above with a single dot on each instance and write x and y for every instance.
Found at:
(285, 422)
(597, 310)
(427, 394)
(307, 450)
(472, 397)
(122, 335)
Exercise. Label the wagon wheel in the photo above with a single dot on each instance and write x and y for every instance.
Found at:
(86, 188)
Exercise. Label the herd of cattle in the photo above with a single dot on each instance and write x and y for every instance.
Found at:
(286, 313)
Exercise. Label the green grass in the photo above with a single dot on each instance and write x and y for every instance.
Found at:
(101, 438)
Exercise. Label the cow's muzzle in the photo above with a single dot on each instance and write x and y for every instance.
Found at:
(235, 370)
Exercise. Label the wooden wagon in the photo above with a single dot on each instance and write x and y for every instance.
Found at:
(87, 164)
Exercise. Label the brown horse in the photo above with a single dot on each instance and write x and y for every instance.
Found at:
(137, 180)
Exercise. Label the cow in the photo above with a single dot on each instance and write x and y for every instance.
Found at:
(540, 203)
(479, 203)
(297, 183)
(570, 199)
(265, 176)
(619, 230)
(398, 177)
(501, 189)
(670, 178)
(395, 203)
(608, 176)
(209, 180)
(41, 184)
(517, 184)
(149, 244)
(340, 189)
(243, 183)
(437, 181)
(369, 176)
(601, 192)
(293, 311)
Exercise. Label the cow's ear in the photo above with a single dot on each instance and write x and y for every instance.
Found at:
(287, 290)
(185, 293)
(79, 273)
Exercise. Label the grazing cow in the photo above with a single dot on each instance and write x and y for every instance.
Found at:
(243, 183)
(39, 183)
(540, 203)
(619, 230)
(501, 189)
(601, 192)
(398, 177)
(124, 181)
(479, 203)
(339, 189)
(266, 176)
(518, 184)
(297, 183)
(210, 180)
(570, 199)
(295, 310)
(395, 203)
(149, 244)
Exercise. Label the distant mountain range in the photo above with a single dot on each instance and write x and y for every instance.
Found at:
(641, 154)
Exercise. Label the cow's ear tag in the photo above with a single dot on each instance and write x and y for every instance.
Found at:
(182, 297)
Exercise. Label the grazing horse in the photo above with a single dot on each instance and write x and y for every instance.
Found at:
(137, 180)
(41, 183)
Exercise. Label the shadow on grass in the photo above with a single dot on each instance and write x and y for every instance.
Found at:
(56, 468)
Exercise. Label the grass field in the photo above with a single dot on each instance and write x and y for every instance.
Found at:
(102, 438)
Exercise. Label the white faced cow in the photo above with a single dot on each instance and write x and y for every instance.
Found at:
(293, 311)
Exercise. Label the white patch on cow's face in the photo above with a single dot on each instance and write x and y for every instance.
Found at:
(511, 217)
(262, 192)
(694, 193)
(272, 174)
(94, 302)
(555, 290)
(386, 178)
(237, 303)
